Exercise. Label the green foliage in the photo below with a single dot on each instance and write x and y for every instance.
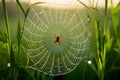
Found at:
(115, 11)
(104, 47)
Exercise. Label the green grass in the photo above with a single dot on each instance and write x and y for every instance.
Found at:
(104, 47)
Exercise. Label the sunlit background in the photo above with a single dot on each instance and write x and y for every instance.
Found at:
(99, 3)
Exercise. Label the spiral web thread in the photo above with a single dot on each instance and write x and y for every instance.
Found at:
(38, 39)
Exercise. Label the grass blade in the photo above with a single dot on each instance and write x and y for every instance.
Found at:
(7, 26)
(20, 6)
(18, 36)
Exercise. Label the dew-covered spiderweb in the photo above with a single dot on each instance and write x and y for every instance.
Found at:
(55, 38)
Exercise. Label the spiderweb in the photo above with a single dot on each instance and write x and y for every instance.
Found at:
(43, 25)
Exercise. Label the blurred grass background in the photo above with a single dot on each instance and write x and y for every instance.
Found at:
(84, 71)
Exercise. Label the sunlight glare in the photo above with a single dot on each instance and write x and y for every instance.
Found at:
(8, 65)
(72, 2)
(75, 2)
(89, 62)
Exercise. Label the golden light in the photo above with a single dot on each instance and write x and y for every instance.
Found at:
(57, 1)
(99, 3)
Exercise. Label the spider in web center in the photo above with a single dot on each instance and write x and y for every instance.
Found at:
(57, 39)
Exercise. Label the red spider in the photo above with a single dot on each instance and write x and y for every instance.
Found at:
(57, 39)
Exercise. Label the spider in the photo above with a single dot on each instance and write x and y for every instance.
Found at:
(57, 39)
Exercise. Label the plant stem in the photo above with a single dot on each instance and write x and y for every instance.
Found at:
(102, 51)
(7, 26)
(99, 51)
(104, 41)
(10, 52)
